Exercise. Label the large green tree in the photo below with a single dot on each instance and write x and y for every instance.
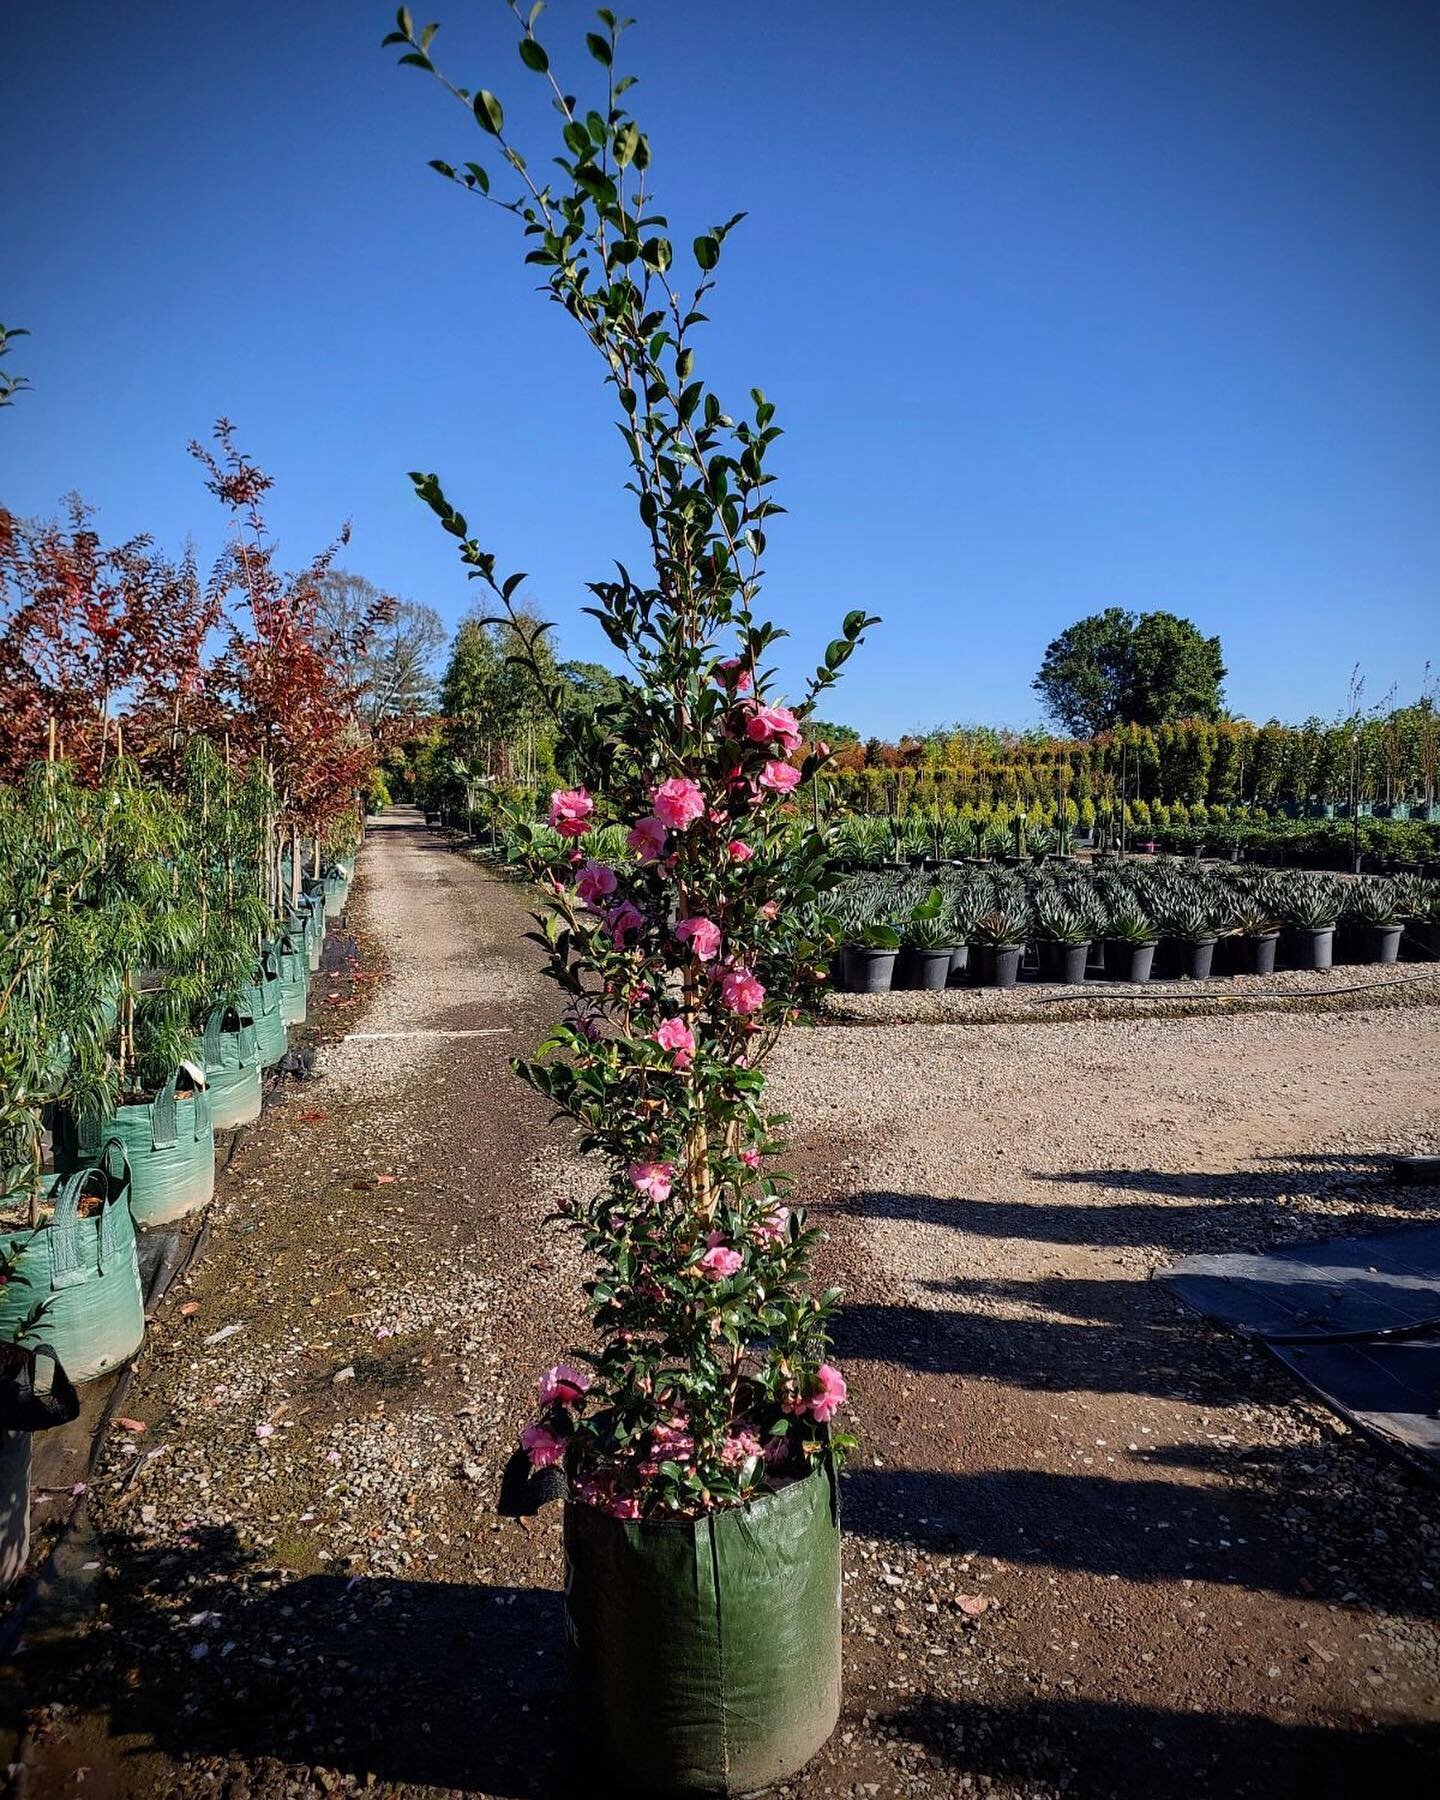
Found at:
(1115, 668)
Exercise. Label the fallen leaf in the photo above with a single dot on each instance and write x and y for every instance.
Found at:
(383, 1180)
(132, 1424)
(189, 1309)
(972, 1605)
(313, 1117)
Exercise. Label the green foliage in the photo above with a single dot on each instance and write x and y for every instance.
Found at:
(711, 1343)
(1113, 669)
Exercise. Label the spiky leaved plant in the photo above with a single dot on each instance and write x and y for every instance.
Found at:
(679, 964)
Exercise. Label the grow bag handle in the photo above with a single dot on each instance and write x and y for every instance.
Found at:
(67, 1269)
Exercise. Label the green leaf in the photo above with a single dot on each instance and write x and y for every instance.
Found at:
(577, 138)
(655, 253)
(707, 251)
(533, 55)
(599, 48)
(489, 114)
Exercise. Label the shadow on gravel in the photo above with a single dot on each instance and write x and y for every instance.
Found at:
(1141, 1529)
(1087, 1748)
(1129, 1350)
(1226, 1212)
(437, 1684)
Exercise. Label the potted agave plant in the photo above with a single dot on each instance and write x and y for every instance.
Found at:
(692, 1432)
(1312, 909)
(928, 944)
(1130, 940)
(1063, 934)
(1187, 921)
(1000, 934)
(1255, 924)
(1377, 911)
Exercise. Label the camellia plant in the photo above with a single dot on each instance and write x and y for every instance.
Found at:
(682, 959)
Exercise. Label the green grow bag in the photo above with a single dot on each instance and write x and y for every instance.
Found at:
(706, 1652)
(307, 917)
(294, 976)
(337, 890)
(231, 1052)
(262, 1000)
(75, 1283)
(168, 1141)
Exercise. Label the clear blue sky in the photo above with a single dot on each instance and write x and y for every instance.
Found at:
(1064, 304)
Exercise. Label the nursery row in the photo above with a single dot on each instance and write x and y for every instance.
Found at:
(867, 840)
(159, 942)
(1390, 759)
(1123, 919)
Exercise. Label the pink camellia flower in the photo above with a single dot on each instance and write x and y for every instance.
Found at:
(720, 1262)
(770, 910)
(570, 810)
(773, 723)
(739, 1447)
(544, 1448)
(780, 777)
(595, 882)
(732, 673)
(669, 1442)
(741, 992)
(676, 1036)
(831, 1396)
(624, 920)
(623, 1506)
(774, 1225)
(702, 935)
(646, 837)
(738, 850)
(678, 802)
(563, 1384)
(654, 1180)
(750, 1156)
(776, 1450)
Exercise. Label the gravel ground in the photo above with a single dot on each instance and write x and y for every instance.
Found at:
(1350, 987)
(1091, 1547)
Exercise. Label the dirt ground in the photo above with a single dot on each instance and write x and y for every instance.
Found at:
(1092, 1549)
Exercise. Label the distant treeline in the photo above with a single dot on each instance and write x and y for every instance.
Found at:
(1390, 760)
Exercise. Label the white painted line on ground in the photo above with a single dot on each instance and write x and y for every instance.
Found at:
(422, 1032)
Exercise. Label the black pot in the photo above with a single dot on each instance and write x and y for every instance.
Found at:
(1257, 954)
(1422, 939)
(1125, 961)
(1381, 943)
(959, 964)
(1063, 962)
(868, 971)
(1197, 959)
(1096, 963)
(1000, 965)
(1311, 949)
(928, 969)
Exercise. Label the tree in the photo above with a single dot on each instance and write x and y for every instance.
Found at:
(387, 647)
(1115, 669)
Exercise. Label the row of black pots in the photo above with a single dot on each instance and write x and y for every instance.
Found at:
(866, 971)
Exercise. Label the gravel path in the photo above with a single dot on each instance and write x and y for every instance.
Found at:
(1092, 1549)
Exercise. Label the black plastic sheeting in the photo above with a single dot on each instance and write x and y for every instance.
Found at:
(1357, 1319)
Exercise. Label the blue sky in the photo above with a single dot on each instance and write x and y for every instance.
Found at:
(1063, 304)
